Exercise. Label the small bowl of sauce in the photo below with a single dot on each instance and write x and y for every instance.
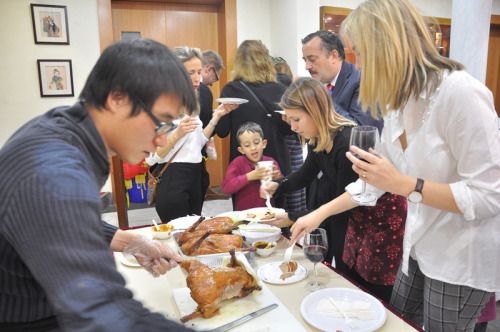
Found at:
(264, 248)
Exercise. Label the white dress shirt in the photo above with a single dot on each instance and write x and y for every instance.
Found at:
(191, 150)
(452, 137)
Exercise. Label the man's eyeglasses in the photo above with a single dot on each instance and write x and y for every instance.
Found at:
(161, 126)
(216, 76)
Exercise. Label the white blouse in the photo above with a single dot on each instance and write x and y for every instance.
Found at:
(191, 150)
(452, 138)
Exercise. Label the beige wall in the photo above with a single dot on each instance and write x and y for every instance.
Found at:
(19, 88)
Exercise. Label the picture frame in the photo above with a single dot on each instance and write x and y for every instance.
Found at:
(50, 24)
(55, 78)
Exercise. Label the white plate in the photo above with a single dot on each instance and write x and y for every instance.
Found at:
(183, 222)
(308, 310)
(125, 261)
(259, 214)
(271, 273)
(232, 100)
(235, 215)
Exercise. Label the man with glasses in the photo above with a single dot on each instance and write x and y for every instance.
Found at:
(57, 271)
(212, 65)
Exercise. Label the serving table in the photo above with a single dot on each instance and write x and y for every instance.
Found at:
(156, 293)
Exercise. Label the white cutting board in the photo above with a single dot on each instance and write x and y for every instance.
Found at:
(278, 319)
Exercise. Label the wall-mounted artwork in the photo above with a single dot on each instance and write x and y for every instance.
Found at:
(50, 24)
(56, 78)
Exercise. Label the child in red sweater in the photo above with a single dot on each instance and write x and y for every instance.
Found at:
(243, 175)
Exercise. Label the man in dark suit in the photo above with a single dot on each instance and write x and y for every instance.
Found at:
(212, 66)
(324, 55)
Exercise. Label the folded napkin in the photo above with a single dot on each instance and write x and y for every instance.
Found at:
(360, 310)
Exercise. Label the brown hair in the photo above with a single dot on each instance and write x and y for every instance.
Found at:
(253, 63)
(312, 97)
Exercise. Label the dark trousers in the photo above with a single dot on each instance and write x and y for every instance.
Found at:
(205, 180)
(178, 194)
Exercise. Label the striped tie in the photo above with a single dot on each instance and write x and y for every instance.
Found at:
(330, 88)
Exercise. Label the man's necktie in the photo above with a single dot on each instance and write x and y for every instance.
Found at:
(330, 88)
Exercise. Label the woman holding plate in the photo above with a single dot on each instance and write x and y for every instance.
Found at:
(254, 79)
(370, 253)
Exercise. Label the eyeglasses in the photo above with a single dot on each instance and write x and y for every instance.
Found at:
(216, 76)
(161, 126)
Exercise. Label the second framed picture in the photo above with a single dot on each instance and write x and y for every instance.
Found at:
(56, 78)
(50, 24)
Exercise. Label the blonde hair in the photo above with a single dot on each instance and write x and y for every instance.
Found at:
(184, 54)
(309, 95)
(399, 59)
(253, 63)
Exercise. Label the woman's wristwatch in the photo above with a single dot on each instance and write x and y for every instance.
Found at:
(416, 195)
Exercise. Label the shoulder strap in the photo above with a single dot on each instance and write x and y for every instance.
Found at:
(170, 160)
(255, 97)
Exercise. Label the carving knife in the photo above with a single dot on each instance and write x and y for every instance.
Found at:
(243, 319)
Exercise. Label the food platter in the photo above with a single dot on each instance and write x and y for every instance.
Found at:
(270, 273)
(232, 100)
(258, 214)
(324, 323)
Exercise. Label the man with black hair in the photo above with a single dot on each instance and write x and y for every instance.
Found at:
(57, 271)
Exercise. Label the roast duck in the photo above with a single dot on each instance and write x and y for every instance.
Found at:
(210, 286)
(211, 236)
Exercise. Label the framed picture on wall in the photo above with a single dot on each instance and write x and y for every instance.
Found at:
(56, 78)
(50, 24)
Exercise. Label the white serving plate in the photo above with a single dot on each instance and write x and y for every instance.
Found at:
(260, 213)
(319, 321)
(270, 273)
(184, 222)
(232, 100)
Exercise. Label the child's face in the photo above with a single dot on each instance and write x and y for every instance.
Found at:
(252, 146)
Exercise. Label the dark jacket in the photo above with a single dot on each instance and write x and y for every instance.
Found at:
(273, 126)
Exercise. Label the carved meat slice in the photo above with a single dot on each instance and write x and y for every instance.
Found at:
(211, 286)
(288, 269)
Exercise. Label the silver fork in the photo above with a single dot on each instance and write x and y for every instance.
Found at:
(348, 320)
(288, 253)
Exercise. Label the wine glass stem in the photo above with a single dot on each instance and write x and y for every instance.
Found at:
(363, 186)
(315, 275)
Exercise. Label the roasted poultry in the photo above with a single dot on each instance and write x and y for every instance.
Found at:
(218, 225)
(211, 286)
(208, 244)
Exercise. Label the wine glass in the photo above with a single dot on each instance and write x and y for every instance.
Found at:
(315, 248)
(364, 137)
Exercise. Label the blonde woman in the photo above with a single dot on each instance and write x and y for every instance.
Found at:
(439, 148)
(179, 192)
(255, 69)
(371, 251)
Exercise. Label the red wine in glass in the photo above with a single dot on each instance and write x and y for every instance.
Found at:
(315, 249)
(315, 253)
